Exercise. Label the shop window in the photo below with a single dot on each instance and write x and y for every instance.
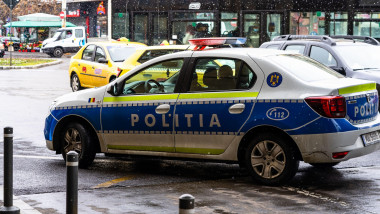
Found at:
(120, 25)
(252, 29)
(338, 23)
(184, 16)
(184, 30)
(307, 23)
(229, 25)
(367, 24)
(273, 25)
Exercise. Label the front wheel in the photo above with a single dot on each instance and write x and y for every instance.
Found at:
(58, 52)
(76, 137)
(270, 159)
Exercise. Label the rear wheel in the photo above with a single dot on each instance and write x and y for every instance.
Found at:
(76, 137)
(270, 159)
(75, 83)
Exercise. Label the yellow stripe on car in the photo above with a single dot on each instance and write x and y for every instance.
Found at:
(140, 98)
(357, 88)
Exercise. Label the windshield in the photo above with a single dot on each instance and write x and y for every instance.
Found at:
(57, 34)
(363, 57)
(120, 53)
(305, 68)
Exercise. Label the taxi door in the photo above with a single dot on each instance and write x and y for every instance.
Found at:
(85, 66)
(100, 71)
(140, 119)
(210, 114)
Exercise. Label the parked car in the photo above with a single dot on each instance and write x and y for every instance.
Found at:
(264, 109)
(95, 64)
(353, 56)
(15, 42)
(143, 54)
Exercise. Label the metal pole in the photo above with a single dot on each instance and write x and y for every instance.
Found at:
(10, 52)
(8, 173)
(72, 183)
(186, 204)
(64, 5)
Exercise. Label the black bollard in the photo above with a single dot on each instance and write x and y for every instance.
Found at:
(72, 183)
(186, 204)
(8, 173)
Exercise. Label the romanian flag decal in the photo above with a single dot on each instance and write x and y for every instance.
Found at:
(91, 100)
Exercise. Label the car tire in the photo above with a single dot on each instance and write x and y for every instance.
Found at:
(58, 52)
(270, 159)
(76, 137)
(324, 165)
(75, 83)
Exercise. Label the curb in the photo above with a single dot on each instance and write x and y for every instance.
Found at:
(17, 202)
(57, 61)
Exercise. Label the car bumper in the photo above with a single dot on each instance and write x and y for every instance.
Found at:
(48, 50)
(318, 148)
(50, 124)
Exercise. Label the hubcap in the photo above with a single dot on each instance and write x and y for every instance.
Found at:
(73, 141)
(268, 159)
(75, 83)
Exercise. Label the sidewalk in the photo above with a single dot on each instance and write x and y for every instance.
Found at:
(346, 190)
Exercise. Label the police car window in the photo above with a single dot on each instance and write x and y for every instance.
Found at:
(215, 74)
(150, 54)
(99, 53)
(158, 78)
(295, 48)
(322, 56)
(305, 68)
(87, 52)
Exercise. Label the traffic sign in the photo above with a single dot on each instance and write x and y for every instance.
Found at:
(62, 14)
(11, 2)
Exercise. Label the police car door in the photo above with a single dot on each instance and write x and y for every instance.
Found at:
(140, 119)
(219, 100)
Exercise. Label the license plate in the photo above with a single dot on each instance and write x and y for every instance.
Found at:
(371, 138)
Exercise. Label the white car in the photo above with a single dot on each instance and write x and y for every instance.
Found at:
(264, 109)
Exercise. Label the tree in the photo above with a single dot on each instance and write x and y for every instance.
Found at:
(25, 7)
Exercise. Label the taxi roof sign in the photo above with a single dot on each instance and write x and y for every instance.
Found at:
(201, 43)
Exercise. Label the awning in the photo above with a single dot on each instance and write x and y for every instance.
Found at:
(38, 24)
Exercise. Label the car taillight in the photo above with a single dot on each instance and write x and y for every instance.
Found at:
(328, 106)
(119, 72)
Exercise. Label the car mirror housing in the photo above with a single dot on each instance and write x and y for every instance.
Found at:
(339, 70)
(114, 89)
(102, 60)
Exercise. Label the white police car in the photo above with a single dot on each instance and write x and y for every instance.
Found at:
(264, 109)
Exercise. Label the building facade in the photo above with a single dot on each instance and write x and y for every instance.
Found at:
(152, 21)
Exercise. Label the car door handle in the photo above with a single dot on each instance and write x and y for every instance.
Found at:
(163, 109)
(236, 108)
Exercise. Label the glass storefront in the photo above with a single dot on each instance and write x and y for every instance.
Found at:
(229, 25)
(120, 25)
(367, 24)
(252, 29)
(307, 23)
(188, 25)
(338, 23)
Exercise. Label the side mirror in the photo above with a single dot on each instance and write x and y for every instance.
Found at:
(339, 70)
(114, 89)
(102, 60)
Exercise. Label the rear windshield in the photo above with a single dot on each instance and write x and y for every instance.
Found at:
(365, 57)
(120, 53)
(305, 68)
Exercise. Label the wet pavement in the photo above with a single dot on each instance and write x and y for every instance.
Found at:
(350, 190)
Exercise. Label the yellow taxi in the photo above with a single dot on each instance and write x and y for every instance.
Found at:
(143, 54)
(97, 63)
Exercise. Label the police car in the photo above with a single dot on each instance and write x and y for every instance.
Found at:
(264, 109)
